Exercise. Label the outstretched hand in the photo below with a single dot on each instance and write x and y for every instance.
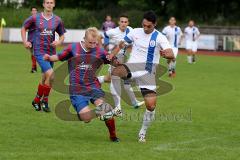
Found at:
(54, 44)
(46, 57)
(110, 57)
(28, 44)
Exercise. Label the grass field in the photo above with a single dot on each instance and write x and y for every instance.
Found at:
(200, 117)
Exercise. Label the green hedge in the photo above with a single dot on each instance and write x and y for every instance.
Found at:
(73, 18)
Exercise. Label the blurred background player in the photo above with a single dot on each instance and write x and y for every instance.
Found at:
(114, 37)
(148, 44)
(173, 34)
(45, 25)
(30, 35)
(191, 34)
(84, 58)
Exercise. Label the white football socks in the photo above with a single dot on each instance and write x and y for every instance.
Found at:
(131, 95)
(189, 59)
(101, 79)
(115, 88)
(147, 119)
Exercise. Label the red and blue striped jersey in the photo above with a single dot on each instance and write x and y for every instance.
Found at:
(82, 67)
(44, 32)
(30, 35)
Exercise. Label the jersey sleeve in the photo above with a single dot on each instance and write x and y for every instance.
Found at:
(163, 43)
(197, 31)
(129, 37)
(29, 23)
(185, 31)
(107, 35)
(66, 53)
(164, 31)
(60, 28)
(180, 31)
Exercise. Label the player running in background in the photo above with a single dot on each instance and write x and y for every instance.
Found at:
(84, 59)
(30, 35)
(45, 25)
(148, 44)
(173, 34)
(115, 36)
(191, 35)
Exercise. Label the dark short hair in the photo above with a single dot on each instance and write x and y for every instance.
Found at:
(33, 8)
(150, 16)
(124, 16)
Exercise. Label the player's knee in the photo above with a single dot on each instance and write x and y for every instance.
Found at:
(105, 107)
(122, 71)
(151, 107)
(107, 79)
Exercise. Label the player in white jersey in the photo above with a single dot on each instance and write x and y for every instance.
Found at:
(191, 35)
(173, 34)
(147, 46)
(115, 36)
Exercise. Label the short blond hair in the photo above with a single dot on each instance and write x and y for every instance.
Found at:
(92, 31)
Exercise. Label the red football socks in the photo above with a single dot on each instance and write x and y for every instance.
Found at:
(111, 127)
(39, 95)
(46, 92)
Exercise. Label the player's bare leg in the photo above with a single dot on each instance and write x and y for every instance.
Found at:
(149, 115)
(86, 114)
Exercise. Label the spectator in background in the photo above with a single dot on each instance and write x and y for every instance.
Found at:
(30, 39)
(108, 24)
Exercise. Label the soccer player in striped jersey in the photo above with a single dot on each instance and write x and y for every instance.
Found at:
(192, 35)
(30, 36)
(114, 37)
(148, 45)
(45, 25)
(84, 59)
(173, 34)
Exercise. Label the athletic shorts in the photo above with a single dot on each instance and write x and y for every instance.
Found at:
(81, 101)
(191, 45)
(44, 65)
(143, 78)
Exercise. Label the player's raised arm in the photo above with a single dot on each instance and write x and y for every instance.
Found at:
(26, 25)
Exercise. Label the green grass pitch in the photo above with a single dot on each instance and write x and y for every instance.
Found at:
(197, 120)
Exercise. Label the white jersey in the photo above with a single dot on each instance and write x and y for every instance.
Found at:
(173, 34)
(141, 44)
(191, 33)
(115, 35)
